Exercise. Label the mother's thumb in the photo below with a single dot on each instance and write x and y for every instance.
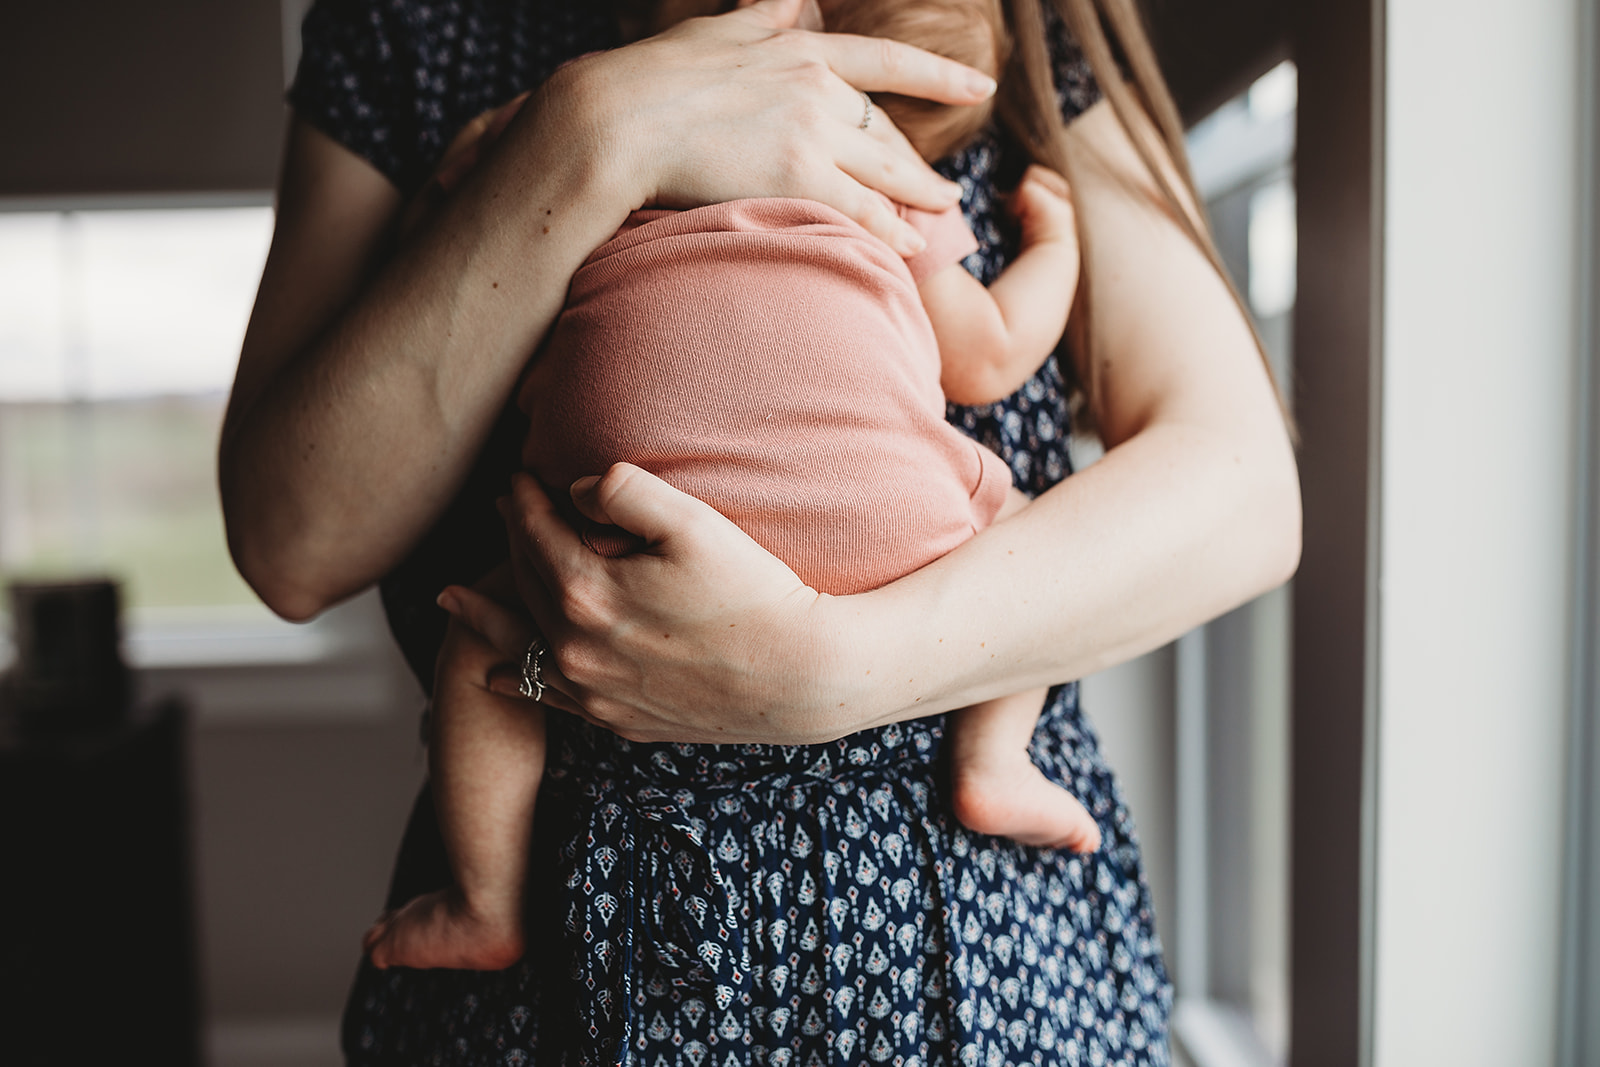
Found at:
(639, 502)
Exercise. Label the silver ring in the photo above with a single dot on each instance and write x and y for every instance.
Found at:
(866, 114)
(533, 670)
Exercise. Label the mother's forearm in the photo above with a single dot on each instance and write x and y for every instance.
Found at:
(1175, 526)
(336, 458)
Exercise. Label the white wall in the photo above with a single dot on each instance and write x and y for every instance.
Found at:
(1477, 479)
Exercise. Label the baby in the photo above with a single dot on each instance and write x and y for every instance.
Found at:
(775, 360)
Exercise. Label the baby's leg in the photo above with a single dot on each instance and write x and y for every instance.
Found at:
(997, 790)
(485, 761)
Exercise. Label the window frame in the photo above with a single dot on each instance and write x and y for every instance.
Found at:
(1580, 965)
(1215, 1022)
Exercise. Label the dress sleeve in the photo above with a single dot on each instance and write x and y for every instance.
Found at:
(349, 84)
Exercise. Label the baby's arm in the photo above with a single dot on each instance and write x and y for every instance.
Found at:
(992, 340)
(485, 760)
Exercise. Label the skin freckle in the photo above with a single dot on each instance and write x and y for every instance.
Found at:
(547, 229)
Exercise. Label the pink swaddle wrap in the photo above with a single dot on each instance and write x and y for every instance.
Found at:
(773, 359)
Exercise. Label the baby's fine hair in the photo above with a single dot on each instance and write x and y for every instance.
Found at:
(969, 31)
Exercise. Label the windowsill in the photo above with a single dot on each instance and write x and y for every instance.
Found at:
(246, 668)
(1216, 1034)
(199, 642)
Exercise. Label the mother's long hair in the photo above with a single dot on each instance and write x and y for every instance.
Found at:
(1027, 106)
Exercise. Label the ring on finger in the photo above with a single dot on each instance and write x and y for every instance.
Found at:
(533, 684)
(866, 113)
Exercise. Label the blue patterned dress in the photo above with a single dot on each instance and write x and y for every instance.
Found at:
(725, 905)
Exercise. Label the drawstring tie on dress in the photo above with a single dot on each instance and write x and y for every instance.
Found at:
(667, 894)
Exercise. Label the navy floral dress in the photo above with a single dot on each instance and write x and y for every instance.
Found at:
(725, 905)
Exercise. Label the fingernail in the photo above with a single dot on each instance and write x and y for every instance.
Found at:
(448, 602)
(584, 484)
(980, 82)
(911, 242)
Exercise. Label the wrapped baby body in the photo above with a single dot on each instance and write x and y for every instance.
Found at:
(773, 359)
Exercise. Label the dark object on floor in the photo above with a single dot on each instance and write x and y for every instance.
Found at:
(68, 675)
(97, 948)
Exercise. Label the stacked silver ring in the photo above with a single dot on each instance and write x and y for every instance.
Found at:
(866, 115)
(533, 670)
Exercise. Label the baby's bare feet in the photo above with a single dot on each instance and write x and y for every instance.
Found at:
(1004, 794)
(440, 930)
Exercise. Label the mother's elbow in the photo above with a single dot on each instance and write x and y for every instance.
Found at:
(1277, 520)
(271, 576)
(273, 559)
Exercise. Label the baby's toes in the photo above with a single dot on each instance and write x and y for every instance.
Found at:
(1083, 836)
(375, 942)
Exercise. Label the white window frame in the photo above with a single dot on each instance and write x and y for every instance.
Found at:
(1580, 1006)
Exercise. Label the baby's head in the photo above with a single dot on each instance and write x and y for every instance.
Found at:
(969, 31)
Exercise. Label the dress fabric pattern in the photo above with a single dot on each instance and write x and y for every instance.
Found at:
(723, 905)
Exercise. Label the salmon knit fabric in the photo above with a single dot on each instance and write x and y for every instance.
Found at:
(773, 359)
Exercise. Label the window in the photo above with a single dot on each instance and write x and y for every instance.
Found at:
(1230, 943)
(119, 333)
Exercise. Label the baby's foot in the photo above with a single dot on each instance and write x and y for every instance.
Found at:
(1004, 794)
(440, 930)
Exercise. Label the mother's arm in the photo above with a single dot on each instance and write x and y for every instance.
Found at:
(366, 389)
(1193, 509)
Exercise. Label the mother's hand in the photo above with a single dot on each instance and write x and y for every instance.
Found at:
(702, 636)
(742, 104)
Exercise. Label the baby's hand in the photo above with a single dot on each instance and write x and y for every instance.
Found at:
(1042, 205)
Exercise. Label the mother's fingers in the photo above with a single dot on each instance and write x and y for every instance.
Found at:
(886, 162)
(539, 536)
(555, 571)
(506, 680)
(510, 632)
(881, 65)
